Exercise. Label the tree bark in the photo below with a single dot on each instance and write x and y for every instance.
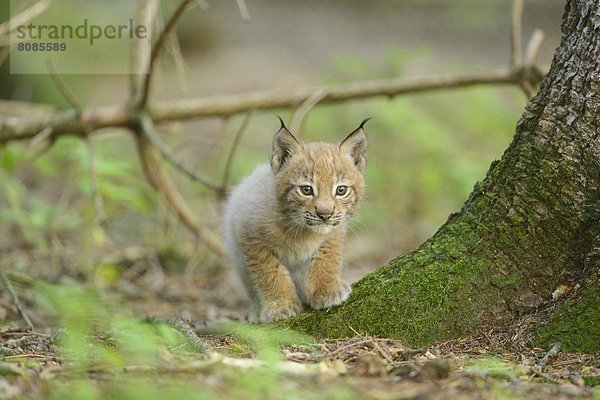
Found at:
(531, 228)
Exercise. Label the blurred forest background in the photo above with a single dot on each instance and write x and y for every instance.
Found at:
(426, 150)
(88, 274)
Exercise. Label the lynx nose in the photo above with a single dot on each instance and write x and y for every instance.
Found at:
(324, 214)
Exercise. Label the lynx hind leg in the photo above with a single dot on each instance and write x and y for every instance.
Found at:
(273, 286)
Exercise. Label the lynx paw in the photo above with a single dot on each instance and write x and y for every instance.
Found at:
(329, 296)
(276, 310)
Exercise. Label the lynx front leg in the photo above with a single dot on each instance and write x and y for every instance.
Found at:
(273, 284)
(325, 287)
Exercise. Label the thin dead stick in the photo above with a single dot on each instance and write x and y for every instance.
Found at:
(533, 47)
(145, 87)
(515, 34)
(550, 354)
(160, 180)
(25, 16)
(243, 7)
(545, 376)
(40, 137)
(149, 130)
(62, 87)
(140, 49)
(173, 47)
(369, 340)
(302, 111)
(15, 300)
(234, 147)
(38, 151)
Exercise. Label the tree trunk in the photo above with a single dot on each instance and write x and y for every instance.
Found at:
(531, 228)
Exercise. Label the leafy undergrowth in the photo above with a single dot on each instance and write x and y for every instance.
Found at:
(256, 363)
(138, 330)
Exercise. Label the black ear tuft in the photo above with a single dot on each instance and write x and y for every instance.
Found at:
(355, 145)
(284, 146)
(362, 124)
(280, 120)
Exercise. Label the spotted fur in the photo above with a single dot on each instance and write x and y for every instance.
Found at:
(285, 224)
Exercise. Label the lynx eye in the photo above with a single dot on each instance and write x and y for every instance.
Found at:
(306, 190)
(341, 190)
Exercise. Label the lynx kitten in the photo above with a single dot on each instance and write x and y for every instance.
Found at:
(285, 224)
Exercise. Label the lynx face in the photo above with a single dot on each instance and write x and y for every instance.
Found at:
(318, 185)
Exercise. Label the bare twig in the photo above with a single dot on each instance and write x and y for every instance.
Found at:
(544, 376)
(234, 147)
(533, 47)
(40, 137)
(141, 48)
(243, 7)
(160, 180)
(25, 16)
(62, 87)
(15, 300)
(302, 111)
(142, 96)
(174, 49)
(517, 14)
(149, 131)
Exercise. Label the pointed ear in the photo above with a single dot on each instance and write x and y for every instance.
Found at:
(355, 145)
(285, 145)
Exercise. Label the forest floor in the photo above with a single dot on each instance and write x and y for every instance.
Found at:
(259, 363)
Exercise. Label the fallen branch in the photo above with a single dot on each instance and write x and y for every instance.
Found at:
(66, 123)
(550, 354)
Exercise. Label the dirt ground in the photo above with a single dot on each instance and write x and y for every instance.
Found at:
(492, 365)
